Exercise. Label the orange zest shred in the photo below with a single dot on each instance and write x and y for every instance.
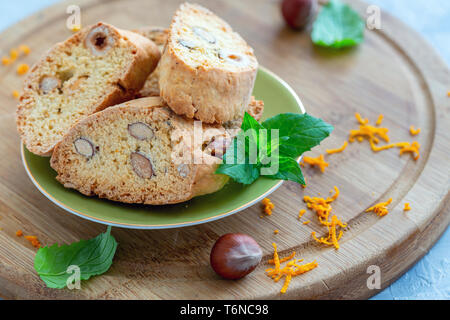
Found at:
(25, 49)
(380, 208)
(301, 213)
(323, 208)
(22, 69)
(291, 269)
(360, 119)
(407, 207)
(6, 61)
(19, 233)
(276, 231)
(319, 162)
(16, 94)
(289, 257)
(410, 147)
(413, 131)
(13, 54)
(34, 241)
(379, 120)
(306, 222)
(374, 134)
(340, 149)
(268, 206)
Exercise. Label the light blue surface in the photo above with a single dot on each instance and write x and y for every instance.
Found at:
(430, 277)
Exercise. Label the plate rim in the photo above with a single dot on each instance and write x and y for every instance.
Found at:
(170, 225)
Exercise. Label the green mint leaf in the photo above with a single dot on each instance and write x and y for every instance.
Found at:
(295, 134)
(236, 162)
(93, 257)
(250, 123)
(242, 173)
(289, 169)
(251, 129)
(337, 25)
(298, 133)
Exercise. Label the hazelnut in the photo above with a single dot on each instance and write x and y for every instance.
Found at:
(99, 40)
(84, 147)
(183, 170)
(204, 34)
(140, 131)
(141, 165)
(234, 255)
(49, 83)
(298, 13)
(218, 146)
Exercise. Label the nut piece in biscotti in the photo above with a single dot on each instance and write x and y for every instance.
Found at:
(151, 151)
(207, 71)
(159, 36)
(97, 67)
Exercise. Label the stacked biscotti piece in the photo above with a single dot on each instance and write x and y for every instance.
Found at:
(117, 109)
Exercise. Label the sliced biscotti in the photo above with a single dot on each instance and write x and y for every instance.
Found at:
(159, 36)
(207, 71)
(97, 67)
(142, 152)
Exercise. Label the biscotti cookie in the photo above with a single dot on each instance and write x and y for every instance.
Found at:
(159, 36)
(207, 71)
(150, 150)
(97, 67)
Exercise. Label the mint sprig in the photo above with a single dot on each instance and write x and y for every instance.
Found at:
(297, 133)
(337, 25)
(93, 257)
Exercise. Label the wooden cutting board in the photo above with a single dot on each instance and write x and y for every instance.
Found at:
(395, 72)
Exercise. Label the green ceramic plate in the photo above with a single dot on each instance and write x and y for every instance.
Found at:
(278, 98)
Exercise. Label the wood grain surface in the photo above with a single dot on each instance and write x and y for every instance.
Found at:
(394, 72)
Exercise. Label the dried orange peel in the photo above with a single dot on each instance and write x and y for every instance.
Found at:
(291, 269)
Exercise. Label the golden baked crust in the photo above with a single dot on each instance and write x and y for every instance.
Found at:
(207, 71)
(107, 141)
(159, 36)
(97, 67)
